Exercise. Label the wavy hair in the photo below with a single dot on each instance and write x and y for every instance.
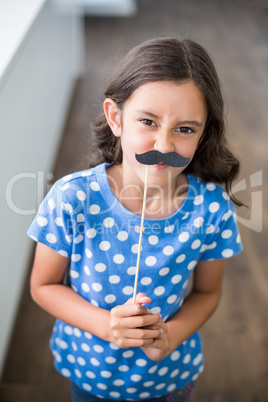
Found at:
(171, 59)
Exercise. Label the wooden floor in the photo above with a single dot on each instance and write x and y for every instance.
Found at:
(236, 338)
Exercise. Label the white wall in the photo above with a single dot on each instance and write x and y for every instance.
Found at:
(36, 83)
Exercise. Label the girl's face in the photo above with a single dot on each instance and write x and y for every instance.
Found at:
(164, 116)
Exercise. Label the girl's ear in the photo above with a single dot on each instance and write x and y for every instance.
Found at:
(113, 116)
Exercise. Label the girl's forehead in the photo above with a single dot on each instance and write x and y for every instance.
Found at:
(163, 95)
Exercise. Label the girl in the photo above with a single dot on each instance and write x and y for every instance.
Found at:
(164, 97)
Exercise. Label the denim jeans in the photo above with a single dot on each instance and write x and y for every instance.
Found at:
(182, 395)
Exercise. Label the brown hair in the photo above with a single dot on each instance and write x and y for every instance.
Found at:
(169, 59)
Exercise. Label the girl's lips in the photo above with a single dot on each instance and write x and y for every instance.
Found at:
(161, 165)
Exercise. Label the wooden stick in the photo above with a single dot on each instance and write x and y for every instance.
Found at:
(141, 232)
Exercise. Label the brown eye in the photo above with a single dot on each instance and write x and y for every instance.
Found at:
(185, 130)
(148, 122)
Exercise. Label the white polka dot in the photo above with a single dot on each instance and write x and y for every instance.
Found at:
(122, 236)
(42, 221)
(88, 335)
(163, 371)
(187, 358)
(119, 258)
(65, 187)
(74, 274)
(141, 362)
(159, 290)
(227, 253)
(51, 203)
(110, 360)
(160, 386)
(171, 387)
(168, 250)
(148, 384)
(94, 186)
(169, 229)
(183, 237)
(135, 248)
(180, 258)
(144, 395)
(114, 279)
(86, 270)
(68, 330)
(91, 233)
(78, 239)
(77, 332)
(153, 240)
(86, 173)
(63, 253)
(69, 238)
(135, 377)
(198, 222)
(106, 374)
(86, 387)
(66, 207)
(131, 390)
(96, 286)
(185, 216)
(198, 359)
(85, 347)
(225, 195)
(210, 186)
(150, 261)
(174, 373)
(94, 209)
(81, 361)
(171, 299)
(70, 358)
(108, 222)
(63, 344)
(80, 218)
(153, 369)
(114, 394)
(78, 373)
(110, 299)
(226, 234)
(128, 290)
(85, 287)
(100, 267)
(113, 346)
(88, 253)
(227, 215)
(193, 343)
(123, 368)
(191, 265)
(175, 355)
(196, 244)
(156, 310)
(194, 377)
(210, 229)
(104, 245)
(185, 375)
(75, 257)
(198, 200)
(238, 238)
(51, 238)
(176, 279)
(131, 270)
(119, 383)
(102, 386)
(75, 348)
(214, 206)
(94, 362)
(146, 281)
(137, 228)
(66, 372)
(81, 195)
(164, 271)
(128, 353)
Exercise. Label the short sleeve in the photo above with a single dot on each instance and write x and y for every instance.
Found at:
(52, 225)
(223, 240)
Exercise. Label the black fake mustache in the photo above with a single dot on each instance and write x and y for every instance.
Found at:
(154, 157)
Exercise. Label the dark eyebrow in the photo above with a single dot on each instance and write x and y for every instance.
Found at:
(185, 122)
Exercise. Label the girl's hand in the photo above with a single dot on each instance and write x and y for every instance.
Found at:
(159, 348)
(133, 325)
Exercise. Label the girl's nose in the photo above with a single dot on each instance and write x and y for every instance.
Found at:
(164, 142)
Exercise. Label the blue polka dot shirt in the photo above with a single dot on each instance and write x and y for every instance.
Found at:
(81, 218)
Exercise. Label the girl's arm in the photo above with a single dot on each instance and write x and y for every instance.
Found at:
(196, 310)
(121, 325)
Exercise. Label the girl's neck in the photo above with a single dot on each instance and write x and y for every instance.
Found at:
(161, 202)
